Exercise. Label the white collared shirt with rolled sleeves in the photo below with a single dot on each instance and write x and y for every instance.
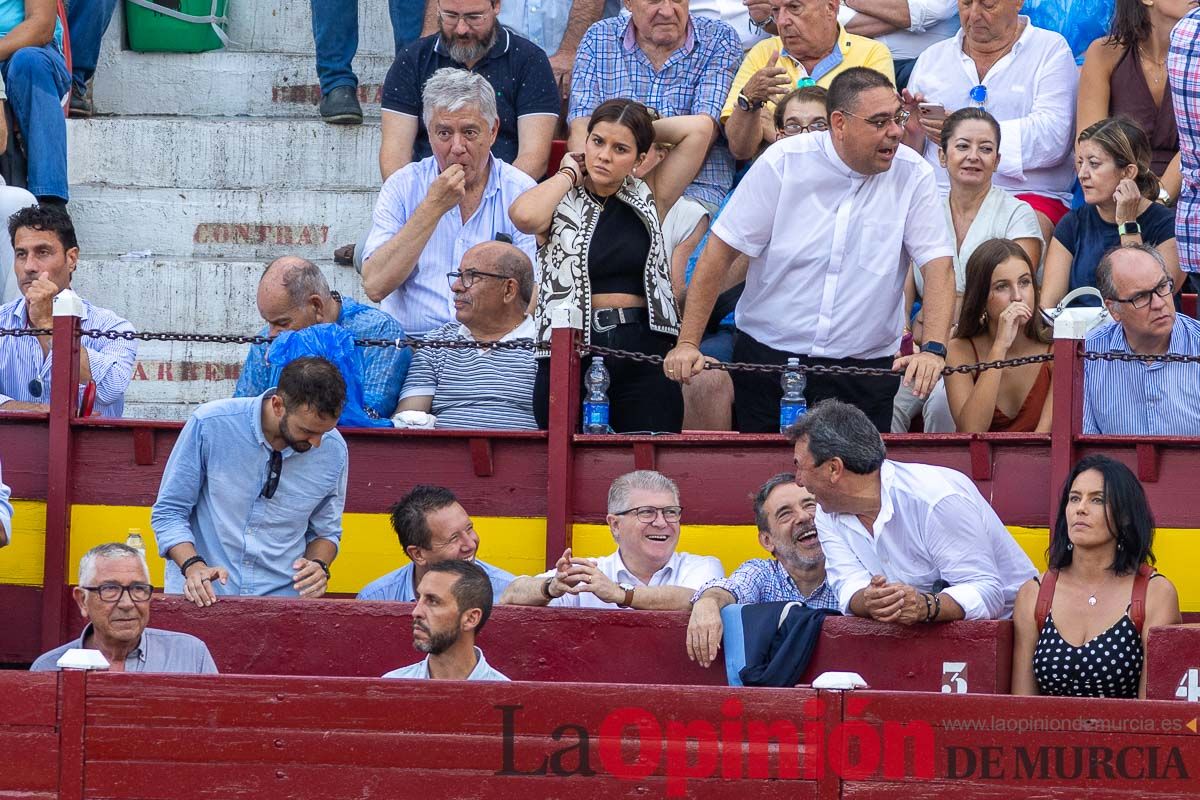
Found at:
(683, 569)
(933, 524)
(930, 22)
(1031, 91)
(829, 248)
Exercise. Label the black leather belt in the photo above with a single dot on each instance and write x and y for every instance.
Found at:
(605, 319)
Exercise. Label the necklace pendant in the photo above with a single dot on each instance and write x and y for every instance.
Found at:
(1092, 600)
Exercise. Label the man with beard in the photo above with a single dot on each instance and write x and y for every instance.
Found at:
(471, 38)
(785, 514)
(251, 498)
(454, 601)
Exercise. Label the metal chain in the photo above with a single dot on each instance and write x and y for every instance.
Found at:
(24, 332)
(1170, 358)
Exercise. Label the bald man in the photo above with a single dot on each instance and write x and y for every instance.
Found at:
(480, 388)
(293, 295)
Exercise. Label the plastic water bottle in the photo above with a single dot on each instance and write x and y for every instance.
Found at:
(134, 540)
(595, 402)
(793, 405)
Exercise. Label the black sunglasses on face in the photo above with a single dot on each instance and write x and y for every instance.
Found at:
(274, 470)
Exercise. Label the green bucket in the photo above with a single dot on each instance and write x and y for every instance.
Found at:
(175, 26)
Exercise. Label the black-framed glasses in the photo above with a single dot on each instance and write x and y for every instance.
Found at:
(470, 276)
(111, 592)
(879, 123)
(274, 470)
(1142, 299)
(650, 513)
(794, 128)
(36, 387)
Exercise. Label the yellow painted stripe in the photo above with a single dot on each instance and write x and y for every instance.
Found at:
(516, 544)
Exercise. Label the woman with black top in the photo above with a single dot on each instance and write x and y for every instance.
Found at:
(1100, 591)
(601, 250)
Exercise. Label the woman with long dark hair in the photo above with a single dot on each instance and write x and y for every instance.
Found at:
(1100, 591)
(601, 251)
(1000, 320)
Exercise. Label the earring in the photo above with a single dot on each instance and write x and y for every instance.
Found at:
(1070, 546)
(983, 318)
(1119, 545)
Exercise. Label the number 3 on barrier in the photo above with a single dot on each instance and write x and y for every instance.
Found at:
(954, 677)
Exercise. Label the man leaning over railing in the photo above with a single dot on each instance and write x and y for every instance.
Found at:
(1141, 397)
(45, 255)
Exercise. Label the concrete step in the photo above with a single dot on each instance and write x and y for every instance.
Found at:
(222, 83)
(181, 152)
(234, 224)
(185, 295)
(286, 27)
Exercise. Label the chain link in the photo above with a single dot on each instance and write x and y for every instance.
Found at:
(24, 332)
(1170, 358)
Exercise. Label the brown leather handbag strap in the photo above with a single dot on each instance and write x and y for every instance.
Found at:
(1045, 598)
(1137, 605)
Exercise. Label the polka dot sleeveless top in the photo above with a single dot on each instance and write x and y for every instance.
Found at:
(1110, 665)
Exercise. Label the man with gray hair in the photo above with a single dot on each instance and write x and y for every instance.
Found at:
(906, 543)
(1141, 398)
(785, 514)
(470, 38)
(293, 295)
(114, 596)
(645, 572)
(476, 388)
(431, 211)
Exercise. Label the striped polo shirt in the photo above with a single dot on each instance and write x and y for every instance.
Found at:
(475, 388)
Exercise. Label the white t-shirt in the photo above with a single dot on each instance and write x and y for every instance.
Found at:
(684, 569)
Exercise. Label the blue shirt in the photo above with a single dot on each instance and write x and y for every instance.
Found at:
(764, 580)
(384, 368)
(1087, 238)
(1080, 22)
(516, 68)
(111, 360)
(397, 586)
(158, 651)
(1139, 398)
(695, 79)
(483, 670)
(542, 22)
(424, 301)
(210, 495)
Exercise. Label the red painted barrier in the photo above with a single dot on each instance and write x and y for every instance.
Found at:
(1173, 663)
(352, 638)
(29, 744)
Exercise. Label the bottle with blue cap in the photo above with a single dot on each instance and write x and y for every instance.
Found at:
(595, 402)
(793, 405)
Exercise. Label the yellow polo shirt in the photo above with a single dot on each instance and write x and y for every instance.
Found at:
(857, 51)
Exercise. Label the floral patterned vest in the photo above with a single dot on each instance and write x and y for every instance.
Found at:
(563, 262)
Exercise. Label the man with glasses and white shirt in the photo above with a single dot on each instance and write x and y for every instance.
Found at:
(830, 221)
(251, 498)
(1141, 398)
(113, 595)
(645, 572)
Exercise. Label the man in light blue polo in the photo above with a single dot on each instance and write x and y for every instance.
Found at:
(455, 600)
(432, 527)
(1139, 398)
(252, 496)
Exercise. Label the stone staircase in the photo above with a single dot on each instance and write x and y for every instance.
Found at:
(216, 163)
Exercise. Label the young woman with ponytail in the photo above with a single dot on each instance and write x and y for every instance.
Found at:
(1112, 158)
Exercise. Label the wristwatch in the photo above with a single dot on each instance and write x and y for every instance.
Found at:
(1129, 229)
(746, 104)
(628, 601)
(937, 348)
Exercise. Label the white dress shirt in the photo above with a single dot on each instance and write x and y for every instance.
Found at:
(933, 525)
(683, 569)
(420, 671)
(1031, 91)
(829, 248)
(424, 301)
(930, 22)
(734, 14)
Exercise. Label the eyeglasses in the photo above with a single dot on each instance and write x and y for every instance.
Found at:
(474, 20)
(650, 513)
(900, 118)
(793, 128)
(1142, 299)
(111, 592)
(469, 276)
(274, 470)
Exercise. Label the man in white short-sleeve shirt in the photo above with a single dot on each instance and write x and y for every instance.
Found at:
(645, 572)
(907, 543)
(830, 222)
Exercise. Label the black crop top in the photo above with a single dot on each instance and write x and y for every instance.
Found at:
(618, 252)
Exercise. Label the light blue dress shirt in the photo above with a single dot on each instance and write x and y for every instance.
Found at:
(397, 586)
(483, 670)
(211, 496)
(542, 22)
(6, 509)
(158, 651)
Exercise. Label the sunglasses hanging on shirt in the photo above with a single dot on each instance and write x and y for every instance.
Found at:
(36, 387)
